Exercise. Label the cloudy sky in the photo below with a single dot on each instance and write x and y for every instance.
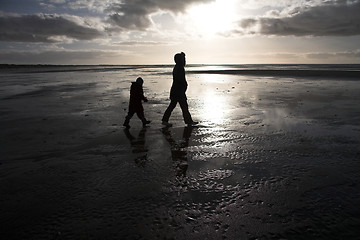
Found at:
(151, 31)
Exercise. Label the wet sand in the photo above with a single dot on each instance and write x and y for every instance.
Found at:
(272, 158)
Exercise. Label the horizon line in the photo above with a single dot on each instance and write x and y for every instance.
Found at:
(165, 64)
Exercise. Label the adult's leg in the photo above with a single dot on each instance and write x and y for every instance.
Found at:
(185, 111)
(169, 110)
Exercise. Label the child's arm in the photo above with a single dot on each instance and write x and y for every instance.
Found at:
(142, 96)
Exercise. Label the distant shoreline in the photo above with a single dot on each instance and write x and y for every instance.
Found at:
(336, 71)
(171, 64)
(287, 73)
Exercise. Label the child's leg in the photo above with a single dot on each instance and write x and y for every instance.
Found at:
(127, 118)
(141, 115)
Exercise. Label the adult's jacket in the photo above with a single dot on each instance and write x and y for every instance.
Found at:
(179, 84)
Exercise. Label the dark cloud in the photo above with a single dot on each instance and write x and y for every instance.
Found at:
(349, 54)
(140, 43)
(59, 57)
(336, 18)
(135, 14)
(246, 23)
(43, 28)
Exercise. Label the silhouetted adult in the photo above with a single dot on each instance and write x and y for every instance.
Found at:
(177, 92)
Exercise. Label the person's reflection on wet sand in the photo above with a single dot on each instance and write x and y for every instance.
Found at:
(178, 151)
(138, 146)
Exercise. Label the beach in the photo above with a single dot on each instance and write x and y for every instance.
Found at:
(275, 154)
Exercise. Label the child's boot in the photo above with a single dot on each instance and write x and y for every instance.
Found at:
(144, 121)
(126, 123)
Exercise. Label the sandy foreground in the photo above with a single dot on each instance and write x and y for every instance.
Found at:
(272, 158)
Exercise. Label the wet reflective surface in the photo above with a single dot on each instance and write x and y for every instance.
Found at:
(272, 158)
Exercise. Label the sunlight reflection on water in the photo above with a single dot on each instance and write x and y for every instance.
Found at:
(214, 108)
(212, 90)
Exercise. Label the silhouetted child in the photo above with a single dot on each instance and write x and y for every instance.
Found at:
(135, 105)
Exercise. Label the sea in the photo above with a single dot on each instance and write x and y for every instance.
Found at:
(20, 79)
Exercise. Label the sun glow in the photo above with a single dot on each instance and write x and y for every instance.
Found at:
(214, 18)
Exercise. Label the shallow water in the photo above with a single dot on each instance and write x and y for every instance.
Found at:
(272, 157)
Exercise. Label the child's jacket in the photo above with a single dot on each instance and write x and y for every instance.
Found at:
(136, 96)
